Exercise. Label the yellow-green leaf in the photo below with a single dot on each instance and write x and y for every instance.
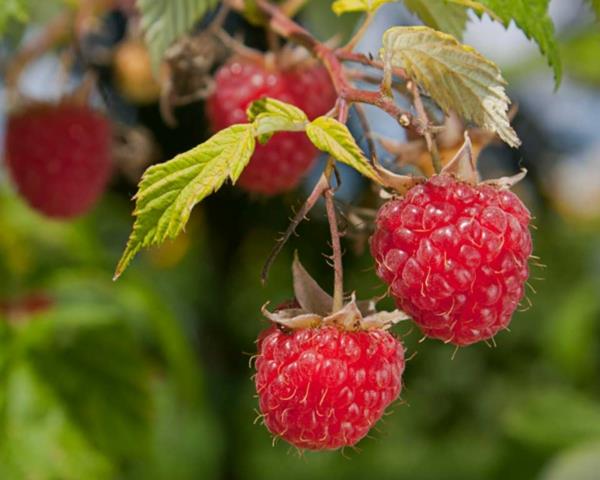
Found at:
(345, 6)
(333, 137)
(456, 76)
(168, 191)
(270, 116)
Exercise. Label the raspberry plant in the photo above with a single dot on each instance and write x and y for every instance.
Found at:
(453, 249)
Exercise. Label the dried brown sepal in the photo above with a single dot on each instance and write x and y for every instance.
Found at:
(506, 183)
(309, 294)
(463, 166)
(352, 316)
(399, 183)
(448, 140)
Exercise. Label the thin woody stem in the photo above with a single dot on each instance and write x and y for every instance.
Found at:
(331, 60)
(318, 190)
(364, 123)
(347, 56)
(424, 118)
(338, 270)
(402, 116)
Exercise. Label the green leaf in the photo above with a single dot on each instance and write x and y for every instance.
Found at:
(456, 76)
(13, 10)
(164, 21)
(531, 16)
(270, 116)
(333, 137)
(168, 191)
(441, 15)
(345, 6)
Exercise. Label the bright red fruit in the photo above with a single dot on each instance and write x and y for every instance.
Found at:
(325, 388)
(279, 165)
(59, 157)
(455, 256)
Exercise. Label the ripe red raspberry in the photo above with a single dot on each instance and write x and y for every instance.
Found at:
(455, 256)
(325, 388)
(279, 165)
(59, 157)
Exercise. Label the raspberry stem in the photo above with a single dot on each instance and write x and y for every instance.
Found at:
(318, 190)
(338, 269)
(332, 59)
(424, 118)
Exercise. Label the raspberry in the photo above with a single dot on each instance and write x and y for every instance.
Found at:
(59, 157)
(324, 388)
(455, 256)
(279, 165)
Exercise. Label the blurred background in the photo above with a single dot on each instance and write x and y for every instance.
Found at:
(149, 378)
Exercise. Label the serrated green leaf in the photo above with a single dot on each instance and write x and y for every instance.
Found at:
(441, 15)
(333, 137)
(164, 21)
(272, 106)
(345, 6)
(456, 76)
(532, 17)
(270, 116)
(168, 191)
